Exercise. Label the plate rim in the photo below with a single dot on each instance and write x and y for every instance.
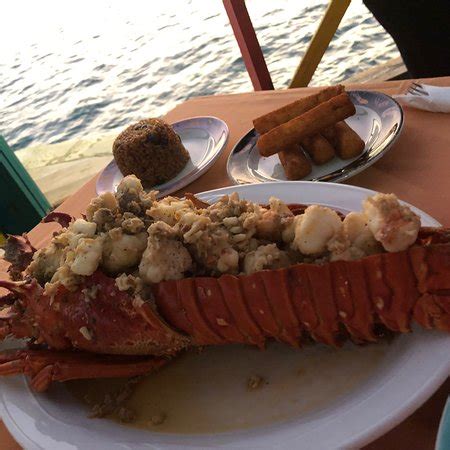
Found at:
(346, 174)
(190, 176)
(314, 185)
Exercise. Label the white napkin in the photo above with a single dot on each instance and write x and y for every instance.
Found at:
(437, 100)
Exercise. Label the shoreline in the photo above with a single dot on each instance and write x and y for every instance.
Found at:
(60, 169)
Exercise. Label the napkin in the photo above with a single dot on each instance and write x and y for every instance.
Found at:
(437, 100)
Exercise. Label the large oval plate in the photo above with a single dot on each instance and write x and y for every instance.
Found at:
(411, 369)
(378, 121)
(203, 137)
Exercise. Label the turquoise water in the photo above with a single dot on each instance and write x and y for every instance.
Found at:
(73, 68)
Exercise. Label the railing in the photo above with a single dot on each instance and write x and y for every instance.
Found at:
(251, 51)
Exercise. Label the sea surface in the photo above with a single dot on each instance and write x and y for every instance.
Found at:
(68, 69)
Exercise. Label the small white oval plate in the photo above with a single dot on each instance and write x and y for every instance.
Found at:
(411, 369)
(203, 137)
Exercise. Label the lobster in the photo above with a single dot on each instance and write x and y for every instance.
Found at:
(99, 330)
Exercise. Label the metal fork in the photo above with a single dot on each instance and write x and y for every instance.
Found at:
(416, 89)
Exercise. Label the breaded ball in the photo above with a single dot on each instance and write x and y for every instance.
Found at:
(151, 150)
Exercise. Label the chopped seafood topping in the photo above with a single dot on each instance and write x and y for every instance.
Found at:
(87, 255)
(141, 240)
(315, 229)
(123, 251)
(165, 257)
(265, 257)
(392, 224)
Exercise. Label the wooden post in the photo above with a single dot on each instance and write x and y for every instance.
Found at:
(248, 43)
(319, 43)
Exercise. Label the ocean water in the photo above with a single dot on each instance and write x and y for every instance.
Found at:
(68, 69)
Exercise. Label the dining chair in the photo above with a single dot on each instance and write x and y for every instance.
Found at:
(22, 204)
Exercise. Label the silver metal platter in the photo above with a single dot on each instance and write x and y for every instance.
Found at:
(378, 121)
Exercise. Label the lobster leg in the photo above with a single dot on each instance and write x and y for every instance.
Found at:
(18, 289)
(44, 366)
(12, 320)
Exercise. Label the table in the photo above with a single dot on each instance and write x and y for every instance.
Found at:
(416, 169)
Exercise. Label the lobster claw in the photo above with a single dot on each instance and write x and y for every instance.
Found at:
(45, 366)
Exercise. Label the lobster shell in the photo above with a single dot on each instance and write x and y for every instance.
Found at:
(97, 317)
(328, 303)
(325, 302)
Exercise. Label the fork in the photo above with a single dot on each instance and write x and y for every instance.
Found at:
(416, 89)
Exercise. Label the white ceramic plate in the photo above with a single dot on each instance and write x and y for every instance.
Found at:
(378, 121)
(408, 371)
(203, 137)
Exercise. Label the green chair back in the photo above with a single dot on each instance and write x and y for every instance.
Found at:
(22, 204)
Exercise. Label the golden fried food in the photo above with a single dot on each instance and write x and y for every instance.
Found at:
(296, 165)
(330, 134)
(348, 143)
(311, 122)
(288, 112)
(318, 148)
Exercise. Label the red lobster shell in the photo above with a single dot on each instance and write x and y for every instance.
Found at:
(316, 300)
(320, 301)
(328, 303)
(97, 318)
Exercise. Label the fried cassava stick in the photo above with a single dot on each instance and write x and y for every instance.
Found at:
(288, 112)
(296, 165)
(317, 146)
(311, 122)
(320, 150)
(329, 134)
(347, 142)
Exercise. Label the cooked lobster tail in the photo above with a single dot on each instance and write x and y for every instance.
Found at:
(327, 303)
(316, 300)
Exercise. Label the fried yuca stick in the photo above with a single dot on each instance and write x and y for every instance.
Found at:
(296, 165)
(311, 122)
(318, 147)
(288, 112)
(329, 134)
(348, 143)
